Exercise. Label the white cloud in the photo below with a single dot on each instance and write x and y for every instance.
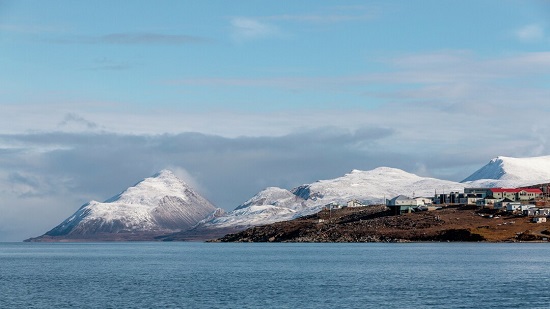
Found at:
(321, 18)
(530, 33)
(184, 175)
(329, 15)
(443, 82)
(244, 28)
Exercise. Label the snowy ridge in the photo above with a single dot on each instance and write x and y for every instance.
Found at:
(511, 172)
(273, 196)
(163, 203)
(372, 186)
(269, 205)
(252, 216)
(276, 204)
(158, 203)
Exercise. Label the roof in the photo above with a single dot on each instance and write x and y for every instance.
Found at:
(400, 198)
(511, 190)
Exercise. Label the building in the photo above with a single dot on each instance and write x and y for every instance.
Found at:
(477, 192)
(448, 198)
(515, 194)
(424, 200)
(512, 206)
(470, 199)
(502, 203)
(355, 203)
(531, 211)
(544, 187)
(539, 219)
(403, 204)
(459, 198)
(486, 202)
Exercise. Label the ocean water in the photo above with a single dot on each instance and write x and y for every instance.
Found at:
(220, 275)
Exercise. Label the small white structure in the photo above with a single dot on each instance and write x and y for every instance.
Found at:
(332, 205)
(525, 207)
(402, 204)
(424, 200)
(486, 202)
(539, 219)
(532, 211)
(512, 206)
(355, 203)
(469, 200)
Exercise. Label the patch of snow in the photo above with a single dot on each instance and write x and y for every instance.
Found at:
(252, 216)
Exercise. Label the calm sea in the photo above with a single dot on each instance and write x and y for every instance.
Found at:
(214, 275)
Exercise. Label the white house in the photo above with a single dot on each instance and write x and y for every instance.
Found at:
(424, 200)
(486, 202)
(512, 206)
(469, 200)
(532, 211)
(525, 207)
(402, 200)
(355, 203)
(539, 219)
(401, 203)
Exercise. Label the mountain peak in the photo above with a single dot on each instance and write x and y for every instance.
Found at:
(164, 173)
(510, 171)
(156, 205)
(150, 189)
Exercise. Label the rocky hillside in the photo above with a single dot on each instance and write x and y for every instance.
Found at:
(375, 224)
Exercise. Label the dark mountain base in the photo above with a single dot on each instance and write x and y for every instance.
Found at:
(189, 235)
(376, 224)
(201, 234)
(99, 237)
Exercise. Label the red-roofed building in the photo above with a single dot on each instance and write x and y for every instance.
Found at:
(515, 194)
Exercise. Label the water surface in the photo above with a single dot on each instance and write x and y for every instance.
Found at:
(225, 275)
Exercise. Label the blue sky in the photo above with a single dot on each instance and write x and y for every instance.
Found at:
(240, 95)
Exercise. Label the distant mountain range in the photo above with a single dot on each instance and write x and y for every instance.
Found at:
(368, 187)
(163, 204)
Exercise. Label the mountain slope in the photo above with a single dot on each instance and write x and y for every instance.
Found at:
(373, 186)
(157, 205)
(370, 187)
(511, 172)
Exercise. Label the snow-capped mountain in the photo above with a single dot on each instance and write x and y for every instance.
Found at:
(276, 204)
(164, 204)
(511, 172)
(265, 207)
(156, 205)
(370, 187)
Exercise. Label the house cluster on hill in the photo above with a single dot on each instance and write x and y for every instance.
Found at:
(528, 201)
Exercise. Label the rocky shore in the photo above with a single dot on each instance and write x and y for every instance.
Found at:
(376, 224)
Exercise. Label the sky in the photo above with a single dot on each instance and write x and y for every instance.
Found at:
(237, 96)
